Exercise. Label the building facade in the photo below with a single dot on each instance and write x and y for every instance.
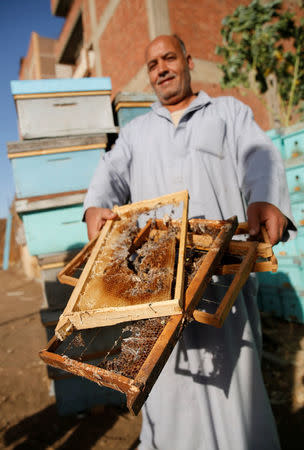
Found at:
(109, 37)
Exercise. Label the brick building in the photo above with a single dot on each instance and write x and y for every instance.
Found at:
(108, 38)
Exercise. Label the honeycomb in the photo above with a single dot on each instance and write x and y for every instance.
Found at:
(135, 344)
(120, 279)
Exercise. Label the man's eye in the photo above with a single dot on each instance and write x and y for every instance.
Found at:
(151, 67)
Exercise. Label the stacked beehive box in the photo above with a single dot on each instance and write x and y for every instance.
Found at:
(63, 124)
(128, 105)
(283, 292)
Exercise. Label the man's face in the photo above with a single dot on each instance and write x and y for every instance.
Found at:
(169, 70)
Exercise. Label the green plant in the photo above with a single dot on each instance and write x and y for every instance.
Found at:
(264, 44)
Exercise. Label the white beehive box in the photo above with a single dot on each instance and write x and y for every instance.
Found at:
(63, 107)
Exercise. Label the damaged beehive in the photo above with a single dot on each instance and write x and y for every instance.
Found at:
(129, 357)
(131, 273)
(139, 349)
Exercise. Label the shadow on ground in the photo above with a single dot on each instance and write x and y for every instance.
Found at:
(46, 429)
(283, 370)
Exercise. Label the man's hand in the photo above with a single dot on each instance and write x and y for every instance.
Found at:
(96, 218)
(263, 213)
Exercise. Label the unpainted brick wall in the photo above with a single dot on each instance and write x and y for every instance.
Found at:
(86, 22)
(123, 42)
(47, 57)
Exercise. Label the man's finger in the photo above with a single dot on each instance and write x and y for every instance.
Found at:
(275, 221)
(92, 231)
(273, 229)
(96, 218)
(253, 220)
(108, 215)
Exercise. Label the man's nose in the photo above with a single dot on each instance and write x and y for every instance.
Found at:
(162, 68)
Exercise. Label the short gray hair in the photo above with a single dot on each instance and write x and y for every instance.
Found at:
(181, 44)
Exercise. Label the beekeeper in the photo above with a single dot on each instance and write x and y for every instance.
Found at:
(210, 394)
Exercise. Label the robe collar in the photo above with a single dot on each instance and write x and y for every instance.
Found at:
(199, 102)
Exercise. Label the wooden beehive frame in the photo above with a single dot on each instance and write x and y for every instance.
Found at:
(138, 388)
(72, 319)
(265, 262)
(265, 258)
(257, 257)
(218, 318)
(250, 250)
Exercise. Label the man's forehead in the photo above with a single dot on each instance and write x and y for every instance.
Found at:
(161, 45)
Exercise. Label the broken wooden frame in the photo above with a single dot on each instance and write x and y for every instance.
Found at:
(266, 260)
(252, 257)
(79, 315)
(257, 257)
(132, 366)
(161, 336)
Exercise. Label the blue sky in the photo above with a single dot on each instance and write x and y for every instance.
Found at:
(18, 18)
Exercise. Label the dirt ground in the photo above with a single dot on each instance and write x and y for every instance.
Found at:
(29, 419)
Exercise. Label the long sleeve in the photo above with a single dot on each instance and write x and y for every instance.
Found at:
(110, 183)
(261, 171)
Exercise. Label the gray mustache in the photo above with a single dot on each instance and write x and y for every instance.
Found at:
(168, 77)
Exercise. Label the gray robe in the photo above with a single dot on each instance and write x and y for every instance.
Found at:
(210, 395)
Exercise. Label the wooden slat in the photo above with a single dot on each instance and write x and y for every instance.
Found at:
(207, 268)
(96, 374)
(180, 273)
(233, 290)
(155, 362)
(49, 201)
(229, 269)
(242, 228)
(57, 142)
(132, 105)
(54, 265)
(51, 151)
(147, 205)
(36, 198)
(81, 320)
(202, 242)
(60, 94)
(141, 237)
(60, 257)
(273, 258)
(64, 276)
(53, 344)
(213, 223)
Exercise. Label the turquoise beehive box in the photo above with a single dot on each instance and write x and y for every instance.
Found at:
(294, 144)
(295, 176)
(51, 178)
(130, 105)
(55, 230)
(55, 165)
(282, 293)
(277, 140)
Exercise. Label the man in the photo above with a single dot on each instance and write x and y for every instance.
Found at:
(210, 395)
